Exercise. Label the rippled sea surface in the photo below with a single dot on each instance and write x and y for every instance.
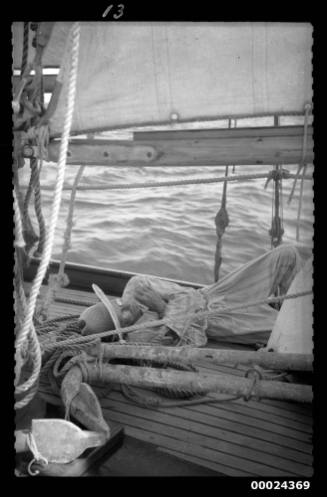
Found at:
(170, 231)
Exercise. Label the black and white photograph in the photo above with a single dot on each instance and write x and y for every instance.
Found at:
(163, 217)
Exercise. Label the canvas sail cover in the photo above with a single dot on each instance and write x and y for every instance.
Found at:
(148, 73)
(293, 329)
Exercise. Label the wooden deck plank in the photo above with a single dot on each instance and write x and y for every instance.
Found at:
(252, 412)
(199, 461)
(211, 426)
(237, 423)
(186, 442)
(267, 429)
(188, 452)
(285, 415)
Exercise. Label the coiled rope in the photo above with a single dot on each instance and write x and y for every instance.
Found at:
(28, 327)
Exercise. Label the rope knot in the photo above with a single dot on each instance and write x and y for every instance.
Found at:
(256, 374)
(37, 457)
(58, 280)
(277, 174)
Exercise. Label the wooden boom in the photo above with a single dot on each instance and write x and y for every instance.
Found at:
(196, 382)
(239, 146)
(269, 360)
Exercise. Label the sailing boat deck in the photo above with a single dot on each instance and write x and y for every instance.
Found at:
(255, 438)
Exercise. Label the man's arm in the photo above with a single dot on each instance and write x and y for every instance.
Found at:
(150, 298)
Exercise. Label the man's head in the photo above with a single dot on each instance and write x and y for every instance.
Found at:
(129, 313)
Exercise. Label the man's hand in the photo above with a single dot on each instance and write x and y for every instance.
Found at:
(149, 297)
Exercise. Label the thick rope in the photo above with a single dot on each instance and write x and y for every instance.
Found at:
(157, 184)
(25, 49)
(82, 303)
(54, 321)
(151, 402)
(20, 308)
(160, 322)
(307, 109)
(28, 397)
(28, 322)
(18, 286)
(36, 355)
(41, 135)
(19, 237)
(38, 205)
(28, 227)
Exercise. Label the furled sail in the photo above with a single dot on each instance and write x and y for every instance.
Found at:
(293, 329)
(150, 73)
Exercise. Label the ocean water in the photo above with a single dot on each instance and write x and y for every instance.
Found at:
(170, 231)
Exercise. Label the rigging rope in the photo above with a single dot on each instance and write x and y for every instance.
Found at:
(276, 231)
(221, 222)
(25, 49)
(194, 181)
(38, 206)
(69, 225)
(307, 109)
(269, 300)
(61, 279)
(302, 166)
(28, 326)
(298, 218)
(29, 232)
(19, 237)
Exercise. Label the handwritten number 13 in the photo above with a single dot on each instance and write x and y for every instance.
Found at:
(120, 8)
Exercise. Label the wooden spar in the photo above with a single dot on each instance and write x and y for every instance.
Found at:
(269, 360)
(49, 81)
(196, 382)
(239, 146)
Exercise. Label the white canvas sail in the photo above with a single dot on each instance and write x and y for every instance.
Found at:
(293, 329)
(145, 73)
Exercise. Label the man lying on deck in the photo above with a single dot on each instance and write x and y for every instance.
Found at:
(149, 298)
